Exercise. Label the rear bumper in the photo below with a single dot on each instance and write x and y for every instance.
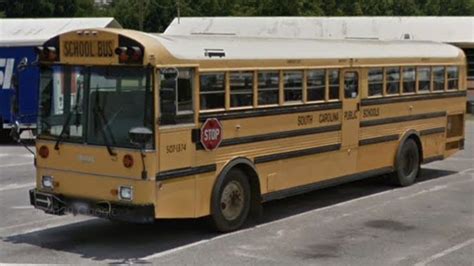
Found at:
(60, 205)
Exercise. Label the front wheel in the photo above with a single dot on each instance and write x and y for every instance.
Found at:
(231, 201)
(407, 164)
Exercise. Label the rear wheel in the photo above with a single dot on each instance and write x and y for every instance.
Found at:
(231, 201)
(407, 166)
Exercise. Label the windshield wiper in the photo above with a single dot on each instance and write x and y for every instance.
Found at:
(100, 112)
(63, 130)
(75, 110)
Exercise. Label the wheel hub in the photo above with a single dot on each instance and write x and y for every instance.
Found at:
(232, 201)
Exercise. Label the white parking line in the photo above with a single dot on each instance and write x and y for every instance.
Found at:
(22, 207)
(16, 226)
(445, 252)
(16, 186)
(16, 164)
(38, 225)
(169, 251)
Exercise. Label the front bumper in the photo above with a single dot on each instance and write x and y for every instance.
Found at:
(60, 205)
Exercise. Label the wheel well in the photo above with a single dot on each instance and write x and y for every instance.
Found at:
(417, 140)
(253, 180)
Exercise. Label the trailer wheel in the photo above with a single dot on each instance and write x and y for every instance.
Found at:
(231, 201)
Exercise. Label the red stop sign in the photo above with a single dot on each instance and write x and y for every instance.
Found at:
(211, 134)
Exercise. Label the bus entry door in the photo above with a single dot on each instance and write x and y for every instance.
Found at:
(350, 116)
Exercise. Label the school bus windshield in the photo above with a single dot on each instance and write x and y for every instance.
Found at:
(94, 105)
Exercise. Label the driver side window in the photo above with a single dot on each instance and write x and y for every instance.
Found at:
(176, 96)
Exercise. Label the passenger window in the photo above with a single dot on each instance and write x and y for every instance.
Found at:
(392, 74)
(293, 86)
(333, 76)
(176, 96)
(424, 79)
(316, 85)
(268, 87)
(241, 89)
(375, 82)
(409, 80)
(212, 94)
(351, 85)
(453, 78)
(438, 78)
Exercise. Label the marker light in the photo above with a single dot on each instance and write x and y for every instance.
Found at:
(47, 53)
(47, 182)
(122, 53)
(130, 54)
(135, 53)
(125, 193)
(43, 152)
(127, 161)
(50, 53)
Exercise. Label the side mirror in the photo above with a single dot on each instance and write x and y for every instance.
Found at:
(15, 131)
(140, 136)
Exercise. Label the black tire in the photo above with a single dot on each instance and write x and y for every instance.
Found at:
(230, 201)
(407, 165)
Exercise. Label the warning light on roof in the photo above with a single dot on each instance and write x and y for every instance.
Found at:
(130, 54)
(47, 53)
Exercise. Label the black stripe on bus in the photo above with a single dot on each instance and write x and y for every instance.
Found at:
(324, 184)
(410, 98)
(433, 158)
(268, 111)
(379, 139)
(432, 131)
(274, 135)
(298, 153)
(186, 172)
(399, 119)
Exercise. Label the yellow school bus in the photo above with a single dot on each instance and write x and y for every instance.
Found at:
(137, 127)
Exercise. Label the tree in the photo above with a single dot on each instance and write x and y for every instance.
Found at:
(406, 8)
(28, 8)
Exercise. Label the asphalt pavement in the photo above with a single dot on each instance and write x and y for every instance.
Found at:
(362, 223)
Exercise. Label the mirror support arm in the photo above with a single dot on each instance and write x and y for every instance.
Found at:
(144, 172)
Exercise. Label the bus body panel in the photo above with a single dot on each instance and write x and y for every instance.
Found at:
(83, 185)
(95, 160)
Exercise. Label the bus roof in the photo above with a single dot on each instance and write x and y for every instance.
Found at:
(447, 29)
(33, 31)
(248, 48)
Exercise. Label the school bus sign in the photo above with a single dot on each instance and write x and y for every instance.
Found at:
(82, 46)
(211, 134)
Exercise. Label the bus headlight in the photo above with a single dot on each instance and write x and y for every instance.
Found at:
(125, 193)
(47, 182)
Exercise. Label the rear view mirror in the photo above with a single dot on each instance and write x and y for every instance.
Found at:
(140, 136)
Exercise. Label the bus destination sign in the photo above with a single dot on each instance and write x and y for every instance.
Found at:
(88, 48)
